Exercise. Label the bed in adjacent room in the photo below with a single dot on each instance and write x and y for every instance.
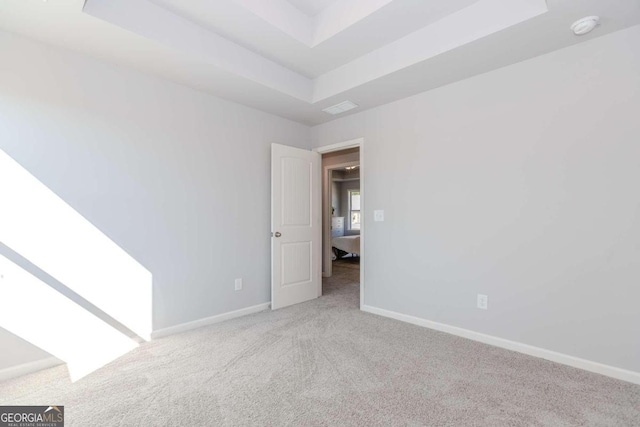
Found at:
(347, 244)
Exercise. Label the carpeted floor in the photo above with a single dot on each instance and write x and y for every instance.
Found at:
(325, 363)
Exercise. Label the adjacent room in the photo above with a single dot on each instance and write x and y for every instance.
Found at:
(342, 226)
(319, 213)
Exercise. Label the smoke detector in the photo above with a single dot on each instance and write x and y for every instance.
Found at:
(585, 25)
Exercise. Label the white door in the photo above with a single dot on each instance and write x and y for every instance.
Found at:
(295, 226)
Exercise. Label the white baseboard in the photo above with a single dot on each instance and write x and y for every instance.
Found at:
(565, 359)
(183, 327)
(29, 368)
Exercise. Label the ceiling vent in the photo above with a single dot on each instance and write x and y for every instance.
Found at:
(340, 108)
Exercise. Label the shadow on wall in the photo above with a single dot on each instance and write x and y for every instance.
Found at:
(65, 286)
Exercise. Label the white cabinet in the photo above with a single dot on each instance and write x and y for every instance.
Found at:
(337, 226)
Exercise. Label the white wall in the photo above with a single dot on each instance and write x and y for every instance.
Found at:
(521, 184)
(148, 162)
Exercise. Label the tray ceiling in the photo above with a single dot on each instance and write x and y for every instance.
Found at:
(297, 57)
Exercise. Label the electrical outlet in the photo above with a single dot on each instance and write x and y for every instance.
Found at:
(238, 284)
(378, 215)
(483, 302)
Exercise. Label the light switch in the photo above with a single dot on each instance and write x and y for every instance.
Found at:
(378, 215)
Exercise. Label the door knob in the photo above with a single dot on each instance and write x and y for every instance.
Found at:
(278, 234)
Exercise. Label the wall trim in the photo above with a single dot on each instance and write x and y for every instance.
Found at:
(29, 368)
(352, 143)
(183, 327)
(326, 220)
(564, 359)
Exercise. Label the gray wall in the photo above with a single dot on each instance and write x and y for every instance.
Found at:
(335, 197)
(16, 351)
(521, 184)
(148, 162)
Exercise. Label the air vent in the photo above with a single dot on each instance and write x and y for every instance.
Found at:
(340, 108)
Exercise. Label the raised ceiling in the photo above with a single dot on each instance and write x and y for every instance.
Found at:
(311, 7)
(294, 58)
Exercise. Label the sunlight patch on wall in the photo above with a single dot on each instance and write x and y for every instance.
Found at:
(45, 230)
(37, 313)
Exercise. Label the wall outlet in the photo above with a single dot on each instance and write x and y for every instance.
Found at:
(483, 302)
(378, 215)
(238, 284)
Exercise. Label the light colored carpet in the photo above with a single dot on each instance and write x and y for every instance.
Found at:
(325, 363)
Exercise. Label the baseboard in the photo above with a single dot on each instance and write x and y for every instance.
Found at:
(183, 327)
(28, 368)
(565, 359)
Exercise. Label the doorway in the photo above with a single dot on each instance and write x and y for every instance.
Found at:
(343, 217)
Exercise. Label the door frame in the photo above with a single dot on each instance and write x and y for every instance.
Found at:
(326, 222)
